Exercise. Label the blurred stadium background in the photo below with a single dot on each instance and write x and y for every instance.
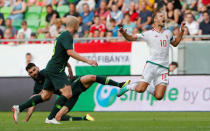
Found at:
(28, 29)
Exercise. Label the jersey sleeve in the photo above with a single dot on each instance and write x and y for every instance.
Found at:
(67, 41)
(142, 35)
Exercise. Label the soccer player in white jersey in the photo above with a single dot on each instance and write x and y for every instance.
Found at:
(156, 68)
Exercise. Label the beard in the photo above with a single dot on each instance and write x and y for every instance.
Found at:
(39, 78)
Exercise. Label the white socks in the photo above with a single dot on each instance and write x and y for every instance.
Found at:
(151, 89)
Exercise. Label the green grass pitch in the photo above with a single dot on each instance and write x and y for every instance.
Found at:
(114, 121)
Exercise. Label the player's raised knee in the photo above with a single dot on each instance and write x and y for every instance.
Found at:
(159, 96)
(140, 90)
(45, 96)
(92, 78)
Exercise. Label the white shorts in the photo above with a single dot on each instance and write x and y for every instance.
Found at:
(156, 74)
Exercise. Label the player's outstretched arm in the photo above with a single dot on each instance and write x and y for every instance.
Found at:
(126, 35)
(70, 71)
(179, 37)
(29, 114)
(80, 58)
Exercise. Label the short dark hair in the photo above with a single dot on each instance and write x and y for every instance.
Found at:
(49, 6)
(206, 12)
(29, 66)
(28, 53)
(174, 63)
(33, 34)
(24, 22)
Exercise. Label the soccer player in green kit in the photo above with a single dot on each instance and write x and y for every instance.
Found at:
(39, 77)
(78, 84)
(56, 79)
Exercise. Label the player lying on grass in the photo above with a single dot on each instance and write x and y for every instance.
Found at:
(38, 77)
(156, 68)
(55, 77)
(79, 85)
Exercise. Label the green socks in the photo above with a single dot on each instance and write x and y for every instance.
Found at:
(70, 118)
(65, 118)
(58, 105)
(31, 102)
(77, 118)
(106, 81)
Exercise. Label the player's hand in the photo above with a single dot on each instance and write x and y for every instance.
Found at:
(122, 31)
(92, 62)
(182, 26)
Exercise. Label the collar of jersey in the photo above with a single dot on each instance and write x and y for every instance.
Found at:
(156, 30)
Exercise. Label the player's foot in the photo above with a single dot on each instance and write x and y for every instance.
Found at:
(122, 91)
(16, 112)
(53, 121)
(124, 83)
(89, 117)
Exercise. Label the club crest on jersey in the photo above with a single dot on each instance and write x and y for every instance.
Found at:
(167, 36)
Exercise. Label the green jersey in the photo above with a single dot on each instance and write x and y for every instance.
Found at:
(39, 81)
(60, 57)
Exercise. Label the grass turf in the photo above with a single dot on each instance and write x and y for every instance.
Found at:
(114, 121)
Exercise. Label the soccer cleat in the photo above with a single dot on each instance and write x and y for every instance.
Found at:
(89, 117)
(122, 91)
(16, 112)
(124, 83)
(53, 121)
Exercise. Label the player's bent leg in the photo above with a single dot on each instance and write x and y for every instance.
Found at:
(141, 87)
(64, 110)
(88, 80)
(66, 94)
(160, 91)
(46, 94)
(36, 99)
(67, 107)
(66, 91)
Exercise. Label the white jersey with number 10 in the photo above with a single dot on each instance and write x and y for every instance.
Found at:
(158, 43)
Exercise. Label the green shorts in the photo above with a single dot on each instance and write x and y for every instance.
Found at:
(77, 87)
(55, 81)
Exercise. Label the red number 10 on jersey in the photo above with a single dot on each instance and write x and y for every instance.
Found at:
(163, 43)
